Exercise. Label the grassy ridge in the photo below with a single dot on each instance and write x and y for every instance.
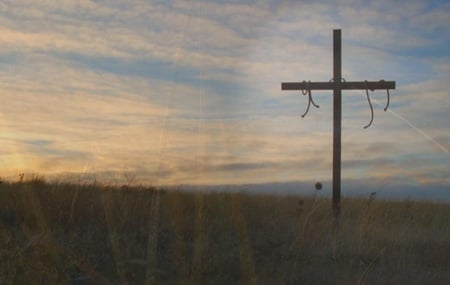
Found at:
(93, 234)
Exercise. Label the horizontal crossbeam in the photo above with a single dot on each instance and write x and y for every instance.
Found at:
(346, 85)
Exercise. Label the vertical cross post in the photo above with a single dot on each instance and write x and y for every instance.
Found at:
(337, 119)
(337, 85)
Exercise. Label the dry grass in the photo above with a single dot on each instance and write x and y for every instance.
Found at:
(93, 234)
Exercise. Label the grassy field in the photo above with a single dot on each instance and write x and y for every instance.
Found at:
(94, 234)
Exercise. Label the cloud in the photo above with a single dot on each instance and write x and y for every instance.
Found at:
(189, 92)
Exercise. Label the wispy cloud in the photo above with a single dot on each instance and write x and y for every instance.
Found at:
(189, 91)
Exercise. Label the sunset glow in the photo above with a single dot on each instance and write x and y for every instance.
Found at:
(188, 92)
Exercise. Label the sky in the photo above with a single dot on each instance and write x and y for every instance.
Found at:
(189, 92)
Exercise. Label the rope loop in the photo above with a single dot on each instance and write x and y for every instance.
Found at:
(305, 91)
(342, 79)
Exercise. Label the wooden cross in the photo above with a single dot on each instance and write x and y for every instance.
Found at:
(337, 84)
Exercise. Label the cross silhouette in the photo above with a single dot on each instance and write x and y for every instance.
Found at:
(337, 84)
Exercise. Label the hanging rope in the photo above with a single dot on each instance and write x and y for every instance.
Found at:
(310, 99)
(388, 97)
(387, 104)
(370, 105)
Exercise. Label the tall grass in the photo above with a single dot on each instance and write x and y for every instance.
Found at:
(95, 234)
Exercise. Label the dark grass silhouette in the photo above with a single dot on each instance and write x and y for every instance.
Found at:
(96, 234)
